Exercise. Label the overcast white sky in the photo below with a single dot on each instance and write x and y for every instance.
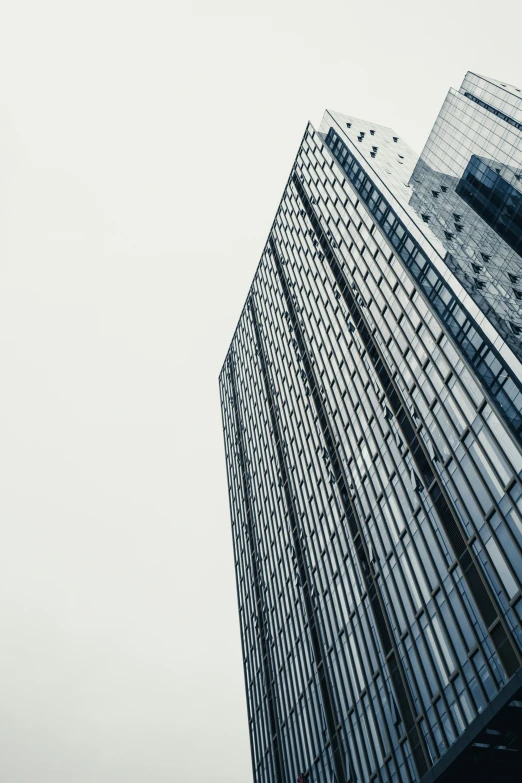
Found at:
(143, 151)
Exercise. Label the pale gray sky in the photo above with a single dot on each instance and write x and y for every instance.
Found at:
(143, 151)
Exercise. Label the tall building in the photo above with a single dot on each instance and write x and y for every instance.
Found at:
(372, 414)
(467, 185)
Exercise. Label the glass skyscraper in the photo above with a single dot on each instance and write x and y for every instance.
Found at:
(372, 414)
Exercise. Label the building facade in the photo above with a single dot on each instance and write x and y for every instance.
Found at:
(372, 414)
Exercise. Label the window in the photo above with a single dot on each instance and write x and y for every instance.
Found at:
(493, 198)
(502, 569)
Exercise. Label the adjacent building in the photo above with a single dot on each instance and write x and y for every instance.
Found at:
(372, 415)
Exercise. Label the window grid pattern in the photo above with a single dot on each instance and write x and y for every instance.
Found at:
(474, 149)
(496, 112)
(503, 387)
(335, 698)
